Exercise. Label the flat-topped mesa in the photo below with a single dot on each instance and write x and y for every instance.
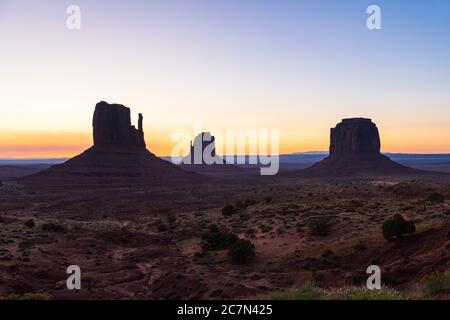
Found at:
(355, 150)
(355, 135)
(112, 126)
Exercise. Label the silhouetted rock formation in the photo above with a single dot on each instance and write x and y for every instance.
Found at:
(357, 135)
(203, 151)
(112, 126)
(118, 153)
(355, 150)
(202, 158)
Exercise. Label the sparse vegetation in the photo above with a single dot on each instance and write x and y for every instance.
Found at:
(305, 292)
(435, 197)
(27, 296)
(242, 205)
(170, 232)
(437, 283)
(397, 226)
(309, 292)
(366, 294)
(53, 227)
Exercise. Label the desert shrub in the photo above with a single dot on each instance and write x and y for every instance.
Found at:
(171, 219)
(410, 189)
(214, 239)
(240, 205)
(327, 253)
(29, 223)
(319, 226)
(244, 216)
(437, 282)
(407, 207)
(228, 210)
(250, 202)
(266, 228)
(242, 251)
(366, 294)
(435, 197)
(53, 227)
(363, 293)
(397, 226)
(309, 292)
(250, 231)
(268, 199)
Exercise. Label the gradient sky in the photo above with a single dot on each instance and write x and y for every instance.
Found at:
(298, 66)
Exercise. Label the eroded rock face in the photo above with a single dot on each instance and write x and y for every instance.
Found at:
(355, 150)
(112, 126)
(355, 135)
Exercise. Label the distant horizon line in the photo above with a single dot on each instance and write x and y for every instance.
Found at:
(239, 155)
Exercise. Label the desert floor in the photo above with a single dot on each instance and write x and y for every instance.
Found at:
(145, 243)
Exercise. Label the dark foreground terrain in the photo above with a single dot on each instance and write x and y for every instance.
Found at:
(139, 242)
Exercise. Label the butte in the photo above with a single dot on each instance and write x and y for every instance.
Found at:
(119, 155)
(355, 151)
(203, 159)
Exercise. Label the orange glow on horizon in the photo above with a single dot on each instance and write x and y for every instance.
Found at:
(68, 144)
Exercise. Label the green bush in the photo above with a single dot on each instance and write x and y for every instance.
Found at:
(228, 210)
(242, 251)
(397, 226)
(435, 197)
(214, 239)
(319, 226)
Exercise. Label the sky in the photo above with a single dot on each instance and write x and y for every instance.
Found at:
(293, 65)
